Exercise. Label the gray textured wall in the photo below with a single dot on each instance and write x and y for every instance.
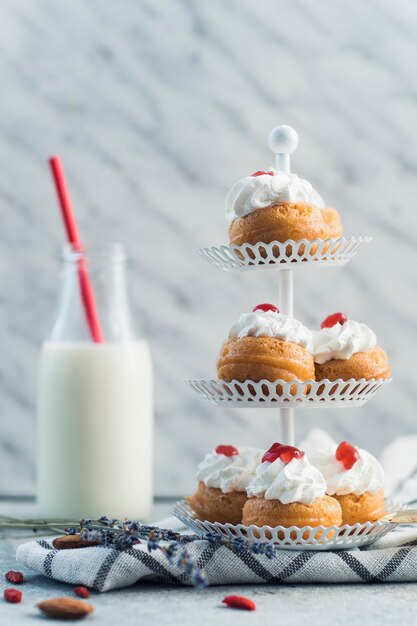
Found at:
(156, 109)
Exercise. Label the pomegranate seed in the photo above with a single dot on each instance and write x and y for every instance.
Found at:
(81, 591)
(16, 578)
(265, 308)
(239, 602)
(227, 450)
(347, 455)
(14, 596)
(285, 453)
(288, 455)
(333, 319)
(262, 173)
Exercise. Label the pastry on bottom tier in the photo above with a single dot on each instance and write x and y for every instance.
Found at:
(213, 505)
(288, 491)
(323, 511)
(223, 476)
(355, 478)
(285, 221)
(266, 344)
(347, 349)
(367, 507)
(272, 206)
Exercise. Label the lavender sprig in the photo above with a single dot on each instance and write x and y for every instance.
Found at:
(112, 533)
(123, 535)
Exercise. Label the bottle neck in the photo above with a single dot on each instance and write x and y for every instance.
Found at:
(107, 276)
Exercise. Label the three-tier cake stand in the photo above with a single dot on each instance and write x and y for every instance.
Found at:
(286, 396)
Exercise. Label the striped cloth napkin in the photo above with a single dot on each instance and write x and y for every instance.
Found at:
(392, 559)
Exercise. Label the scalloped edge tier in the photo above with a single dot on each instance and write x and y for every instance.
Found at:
(283, 256)
(292, 538)
(294, 394)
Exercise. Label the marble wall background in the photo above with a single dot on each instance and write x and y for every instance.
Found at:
(156, 109)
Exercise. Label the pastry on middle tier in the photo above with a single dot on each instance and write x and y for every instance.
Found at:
(354, 477)
(223, 477)
(266, 344)
(345, 349)
(272, 206)
(288, 491)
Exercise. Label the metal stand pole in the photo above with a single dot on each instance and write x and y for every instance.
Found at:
(283, 140)
(286, 305)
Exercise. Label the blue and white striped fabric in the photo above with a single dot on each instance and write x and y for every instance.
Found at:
(392, 559)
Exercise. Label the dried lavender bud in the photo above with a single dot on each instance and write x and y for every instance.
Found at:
(90, 535)
(171, 550)
(237, 545)
(152, 545)
(200, 580)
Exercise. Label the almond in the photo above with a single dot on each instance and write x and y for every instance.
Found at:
(71, 542)
(65, 608)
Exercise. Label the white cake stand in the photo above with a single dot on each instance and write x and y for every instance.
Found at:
(343, 537)
(287, 257)
(310, 394)
(294, 255)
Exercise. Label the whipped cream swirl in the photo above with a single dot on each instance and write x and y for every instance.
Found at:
(341, 341)
(259, 192)
(229, 473)
(365, 475)
(296, 481)
(271, 324)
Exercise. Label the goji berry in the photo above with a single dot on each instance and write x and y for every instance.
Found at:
(16, 578)
(239, 602)
(12, 595)
(81, 591)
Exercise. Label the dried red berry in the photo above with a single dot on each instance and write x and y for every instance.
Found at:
(262, 173)
(265, 308)
(285, 453)
(333, 319)
(14, 596)
(239, 602)
(16, 578)
(81, 591)
(227, 450)
(347, 455)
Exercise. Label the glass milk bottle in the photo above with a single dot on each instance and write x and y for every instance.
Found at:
(95, 401)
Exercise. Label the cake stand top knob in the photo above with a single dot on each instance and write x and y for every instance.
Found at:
(283, 139)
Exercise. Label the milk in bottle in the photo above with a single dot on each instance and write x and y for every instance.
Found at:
(95, 402)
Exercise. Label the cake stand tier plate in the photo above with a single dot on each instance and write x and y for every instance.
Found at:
(310, 394)
(292, 538)
(302, 254)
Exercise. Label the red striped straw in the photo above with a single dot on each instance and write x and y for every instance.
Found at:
(70, 224)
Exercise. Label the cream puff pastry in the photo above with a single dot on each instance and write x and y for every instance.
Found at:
(272, 206)
(354, 478)
(223, 477)
(288, 491)
(266, 344)
(346, 349)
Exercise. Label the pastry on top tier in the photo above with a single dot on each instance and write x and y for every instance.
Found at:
(273, 206)
(346, 349)
(288, 491)
(266, 344)
(223, 476)
(355, 478)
